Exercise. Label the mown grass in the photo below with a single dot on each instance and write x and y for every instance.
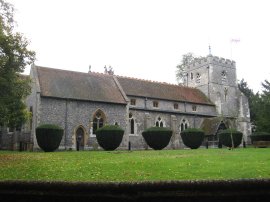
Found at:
(103, 166)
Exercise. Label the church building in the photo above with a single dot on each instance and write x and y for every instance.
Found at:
(83, 102)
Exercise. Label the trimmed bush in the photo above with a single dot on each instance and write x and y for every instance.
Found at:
(156, 137)
(192, 137)
(49, 137)
(260, 136)
(225, 137)
(109, 137)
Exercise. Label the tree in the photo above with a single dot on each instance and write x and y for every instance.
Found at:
(266, 86)
(187, 59)
(14, 57)
(263, 117)
(243, 87)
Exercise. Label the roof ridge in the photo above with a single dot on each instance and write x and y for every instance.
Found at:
(141, 79)
(159, 82)
(73, 71)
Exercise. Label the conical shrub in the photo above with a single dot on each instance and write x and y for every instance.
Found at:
(192, 137)
(49, 137)
(156, 137)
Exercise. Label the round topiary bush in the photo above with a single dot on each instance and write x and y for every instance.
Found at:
(260, 136)
(109, 137)
(49, 137)
(225, 137)
(192, 137)
(156, 137)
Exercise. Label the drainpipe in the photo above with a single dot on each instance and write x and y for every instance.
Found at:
(194, 121)
(66, 113)
(208, 86)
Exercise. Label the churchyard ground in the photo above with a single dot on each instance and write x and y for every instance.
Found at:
(149, 165)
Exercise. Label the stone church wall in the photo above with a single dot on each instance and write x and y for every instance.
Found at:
(146, 119)
(71, 114)
(168, 106)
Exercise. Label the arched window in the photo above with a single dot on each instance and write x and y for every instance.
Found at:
(132, 123)
(198, 78)
(223, 76)
(131, 126)
(184, 125)
(225, 93)
(98, 120)
(159, 122)
(191, 76)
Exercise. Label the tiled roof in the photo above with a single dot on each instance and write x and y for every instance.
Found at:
(102, 87)
(150, 89)
(80, 86)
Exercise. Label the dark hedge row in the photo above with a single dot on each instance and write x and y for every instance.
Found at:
(109, 137)
(192, 137)
(247, 190)
(156, 137)
(49, 137)
(226, 140)
(260, 136)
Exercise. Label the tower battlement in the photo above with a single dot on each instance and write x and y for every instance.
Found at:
(213, 60)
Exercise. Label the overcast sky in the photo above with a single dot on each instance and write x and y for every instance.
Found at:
(147, 38)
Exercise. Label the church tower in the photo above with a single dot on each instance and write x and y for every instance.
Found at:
(216, 78)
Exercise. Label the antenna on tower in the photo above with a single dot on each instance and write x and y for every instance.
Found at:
(209, 50)
(89, 69)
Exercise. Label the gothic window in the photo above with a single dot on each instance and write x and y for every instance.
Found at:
(132, 123)
(155, 104)
(184, 125)
(131, 126)
(191, 76)
(194, 108)
(98, 120)
(175, 106)
(133, 102)
(198, 78)
(225, 93)
(159, 122)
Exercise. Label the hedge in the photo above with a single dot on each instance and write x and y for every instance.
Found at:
(260, 136)
(225, 137)
(156, 137)
(109, 137)
(49, 137)
(245, 190)
(192, 137)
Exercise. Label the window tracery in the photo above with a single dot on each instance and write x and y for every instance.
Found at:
(98, 120)
(159, 122)
(184, 125)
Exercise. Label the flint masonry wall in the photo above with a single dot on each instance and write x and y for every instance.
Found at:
(71, 114)
(148, 119)
(145, 115)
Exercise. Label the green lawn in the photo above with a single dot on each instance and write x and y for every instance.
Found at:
(136, 165)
